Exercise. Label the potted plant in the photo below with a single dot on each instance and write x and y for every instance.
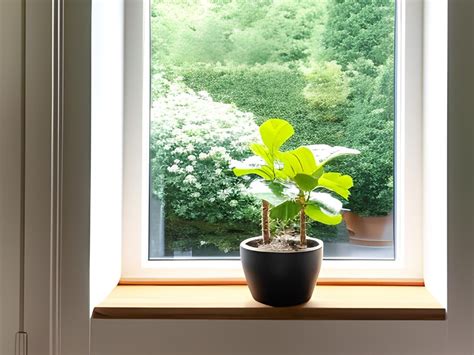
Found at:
(282, 270)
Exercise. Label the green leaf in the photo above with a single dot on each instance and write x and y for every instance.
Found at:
(306, 182)
(336, 182)
(298, 161)
(285, 211)
(324, 153)
(262, 151)
(318, 173)
(328, 203)
(262, 172)
(267, 191)
(275, 132)
(276, 187)
(315, 213)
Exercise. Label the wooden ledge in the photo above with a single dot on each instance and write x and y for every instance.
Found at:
(235, 302)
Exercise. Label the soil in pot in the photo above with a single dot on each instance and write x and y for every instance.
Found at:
(282, 274)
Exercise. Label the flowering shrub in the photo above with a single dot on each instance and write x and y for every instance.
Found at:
(192, 141)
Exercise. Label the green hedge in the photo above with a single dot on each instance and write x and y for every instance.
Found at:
(269, 90)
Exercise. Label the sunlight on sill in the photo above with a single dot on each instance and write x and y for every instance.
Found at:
(235, 302)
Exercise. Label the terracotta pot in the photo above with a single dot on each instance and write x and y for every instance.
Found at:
(281, 278)
(369, 231)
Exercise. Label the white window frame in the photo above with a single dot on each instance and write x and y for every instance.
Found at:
(408, 263)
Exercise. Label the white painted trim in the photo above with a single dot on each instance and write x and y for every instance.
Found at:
(106, 160)
(435, 146)
(409, 173)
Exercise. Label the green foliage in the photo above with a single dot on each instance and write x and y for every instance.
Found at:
(204, 237)
(269, 90)
(240, 32)
(299, 177)
(327, 86)
(326, 65)
(316, 214)
(359, 35)
(193, 140)
(371, 125)
(285, 211)
(359, 29)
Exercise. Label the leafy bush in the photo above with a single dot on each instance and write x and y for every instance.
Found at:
(192, 141)
(370, 128)
(359, 29)
(270, 90)
(327, 86)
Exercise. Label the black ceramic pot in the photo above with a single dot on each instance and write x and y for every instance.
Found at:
(281, 278)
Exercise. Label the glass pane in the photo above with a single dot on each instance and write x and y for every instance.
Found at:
(222, 67)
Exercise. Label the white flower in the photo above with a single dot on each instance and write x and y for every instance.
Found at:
(217, 150)
(190, 179)
(195, 194)
(179, 150)
(202, 156)
(233, 203)
(212, 199)
(173, 168)
(191, 157)
(198, 185)
(222, 194)
(189, 147)
(177, 161)
(189, 168)
(218, 171)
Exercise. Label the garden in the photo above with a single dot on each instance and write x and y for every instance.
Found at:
(220, 68)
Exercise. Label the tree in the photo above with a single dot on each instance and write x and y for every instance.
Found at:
(359, 29)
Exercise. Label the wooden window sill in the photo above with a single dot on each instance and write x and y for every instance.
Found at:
(235, 302)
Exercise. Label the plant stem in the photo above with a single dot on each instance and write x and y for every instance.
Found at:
(302, 227)
(265, 222)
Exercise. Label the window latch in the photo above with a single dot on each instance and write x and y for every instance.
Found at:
(21, 343)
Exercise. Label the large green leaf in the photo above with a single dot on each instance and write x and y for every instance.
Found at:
(337, 183)
(305, 182)
(275, 132)
(262, 151)
(324, 153)
(268, 191)
(315, 213)
(298, 161)
(285, 211)
(262, 172)
(327, 202)
(253, 165)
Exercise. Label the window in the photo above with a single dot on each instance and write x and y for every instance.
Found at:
(215, 70)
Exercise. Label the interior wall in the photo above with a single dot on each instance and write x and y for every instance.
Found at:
(10, 112)
(106, 145)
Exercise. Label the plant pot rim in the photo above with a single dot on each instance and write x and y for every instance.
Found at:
(244, 245)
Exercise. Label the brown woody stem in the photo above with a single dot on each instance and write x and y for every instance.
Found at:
(302, 227)
(265, 222)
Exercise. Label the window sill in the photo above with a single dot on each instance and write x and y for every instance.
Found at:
(235, 302)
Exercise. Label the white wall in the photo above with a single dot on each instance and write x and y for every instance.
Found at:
(450, 337)
(106, 145)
